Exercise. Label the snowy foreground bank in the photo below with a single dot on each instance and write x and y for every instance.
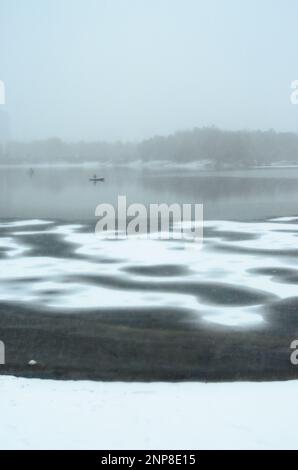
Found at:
(90, 415)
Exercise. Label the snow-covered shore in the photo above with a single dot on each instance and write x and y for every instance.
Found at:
(46, 414)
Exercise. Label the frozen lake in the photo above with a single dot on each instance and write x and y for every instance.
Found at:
(241, 267)
(160, 307)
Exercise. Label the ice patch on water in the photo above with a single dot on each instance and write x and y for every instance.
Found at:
(11, 247)
(25, 223)
(237, 317)
(284, 219)
(101, 273)
(80, 296)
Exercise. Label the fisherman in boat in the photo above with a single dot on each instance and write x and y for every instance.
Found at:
(96, 178)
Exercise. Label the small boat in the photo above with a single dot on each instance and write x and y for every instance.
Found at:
(96, 178)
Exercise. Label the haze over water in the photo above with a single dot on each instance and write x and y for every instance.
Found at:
(66, 192)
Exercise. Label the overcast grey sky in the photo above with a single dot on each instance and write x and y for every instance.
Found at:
(130, 69)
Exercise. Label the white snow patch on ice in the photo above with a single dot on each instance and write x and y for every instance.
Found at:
(13, 248)
(25, 223)
(237, 316)
(223, 261)
(284, 219)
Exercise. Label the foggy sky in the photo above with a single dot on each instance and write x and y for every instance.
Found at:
(130, 69)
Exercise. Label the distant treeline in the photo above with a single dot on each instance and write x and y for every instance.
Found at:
(219, 148)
